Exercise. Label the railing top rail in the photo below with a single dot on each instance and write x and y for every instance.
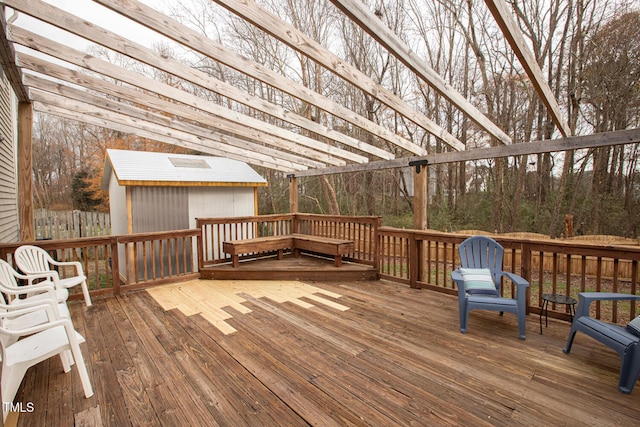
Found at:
(287, 217)
(340, 218)
(423, 234)
(570, 247)
(238, 219)
(77, 242)
(157, 235)
(81, 242)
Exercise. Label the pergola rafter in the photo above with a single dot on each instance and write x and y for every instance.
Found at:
(271, 135)
(296, 39)
(227, 132)
(121, 45)
(179, 33)
(129, 120)
(94, 64)
(375, 27)
(511, 32)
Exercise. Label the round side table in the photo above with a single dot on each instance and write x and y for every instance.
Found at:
(556, 299)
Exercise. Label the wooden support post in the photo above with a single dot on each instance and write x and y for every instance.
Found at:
(526, 264)
(25, 174)
(420, 185)
(420, 198)
(416, 261)
(293, 194)
(115, 267)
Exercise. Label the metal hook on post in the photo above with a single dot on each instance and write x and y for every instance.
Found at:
(291, 176)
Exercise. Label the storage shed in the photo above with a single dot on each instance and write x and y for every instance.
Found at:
(165, 191)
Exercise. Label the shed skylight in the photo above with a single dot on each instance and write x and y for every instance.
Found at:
(189, 163)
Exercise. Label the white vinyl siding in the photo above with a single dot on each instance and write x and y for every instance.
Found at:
(9, 224)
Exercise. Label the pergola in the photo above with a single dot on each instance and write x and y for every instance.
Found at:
(145, 107)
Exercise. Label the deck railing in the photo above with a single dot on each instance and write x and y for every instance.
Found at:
(157, 258)
(421, 259)
(146, 259)
(425, 259)
(360, 229)
(215, 231)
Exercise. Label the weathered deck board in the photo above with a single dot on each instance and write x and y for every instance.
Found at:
(233, 395)
(389, 353)
(348, 353)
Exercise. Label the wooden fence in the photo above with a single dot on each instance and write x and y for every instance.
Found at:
(59, 225)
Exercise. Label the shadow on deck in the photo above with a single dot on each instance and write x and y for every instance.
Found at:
(321, 353)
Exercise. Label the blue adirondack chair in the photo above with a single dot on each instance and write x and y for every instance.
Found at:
(479, 279)
(624, 340)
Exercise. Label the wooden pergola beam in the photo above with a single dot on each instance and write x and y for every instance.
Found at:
(225, 131)
(96, 116)
(334, 155)
(299, 145)
(138, 109)
(630, 136)
(71, 23)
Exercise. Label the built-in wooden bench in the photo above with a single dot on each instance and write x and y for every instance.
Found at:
(323, 245)
(260, 244)
(296, 242)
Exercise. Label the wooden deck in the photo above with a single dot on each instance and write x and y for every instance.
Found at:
(235, 353)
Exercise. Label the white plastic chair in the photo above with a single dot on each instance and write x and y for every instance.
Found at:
(14, 297)
(15, 294)
(38, 343)
(33, 260)
(13, 321)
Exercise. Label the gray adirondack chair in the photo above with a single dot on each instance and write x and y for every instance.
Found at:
(481, 255)
(619, 338)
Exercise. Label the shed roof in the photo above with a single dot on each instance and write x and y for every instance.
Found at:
(143, 168)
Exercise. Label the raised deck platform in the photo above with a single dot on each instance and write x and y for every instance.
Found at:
(305, 267)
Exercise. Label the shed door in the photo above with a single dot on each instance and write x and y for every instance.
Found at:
(159, 209)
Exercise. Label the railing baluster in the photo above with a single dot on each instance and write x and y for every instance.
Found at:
(598, 284)
(614, 309)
